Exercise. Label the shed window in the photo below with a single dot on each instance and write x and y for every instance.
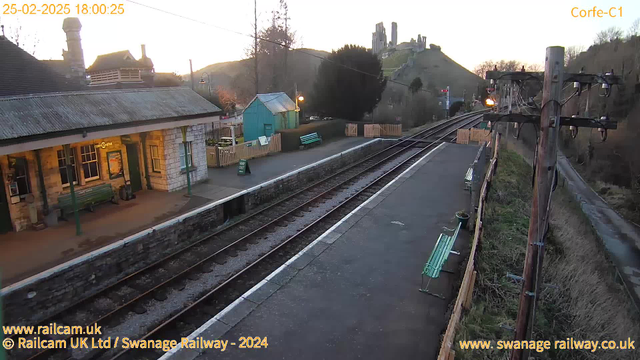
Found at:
(155, 158)
(89, 162)
(62, 165)
(189, 155)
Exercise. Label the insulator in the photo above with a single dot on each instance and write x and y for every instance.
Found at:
(576, 84)
(574, 131)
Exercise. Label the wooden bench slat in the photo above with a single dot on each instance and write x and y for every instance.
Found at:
(310, 138)
(86, 198)
(440, 254)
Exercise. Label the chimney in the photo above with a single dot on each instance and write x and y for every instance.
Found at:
(144, 51)
(74, 56)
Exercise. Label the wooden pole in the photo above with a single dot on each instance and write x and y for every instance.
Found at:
(193, 85)
(70, 172)
(255, 43)
(543, 186)
(186, 157)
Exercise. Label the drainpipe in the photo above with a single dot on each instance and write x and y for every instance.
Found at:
(43, 189)
(67, 151)
(143, 137)
(186, 158)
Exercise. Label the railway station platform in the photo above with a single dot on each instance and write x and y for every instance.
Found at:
(353, 292)
(30, 252)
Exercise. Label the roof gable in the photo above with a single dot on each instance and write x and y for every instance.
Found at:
(33, 115)
(117, 60)
(276, 102)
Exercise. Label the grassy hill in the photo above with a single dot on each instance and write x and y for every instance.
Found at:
(437, 71)
(238, 75)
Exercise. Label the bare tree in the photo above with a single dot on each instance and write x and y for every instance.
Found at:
(609, 35)
(502, 65)
(634, 29)
(535, 67)
(571, 53)
(26, 41)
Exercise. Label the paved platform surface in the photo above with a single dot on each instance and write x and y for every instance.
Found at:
(29, 252)
(353, 293)
(223, 182)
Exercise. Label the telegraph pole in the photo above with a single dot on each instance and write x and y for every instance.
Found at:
(255, 43)
(543, 187)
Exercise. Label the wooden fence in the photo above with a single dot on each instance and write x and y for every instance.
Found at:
(378, 130)
(464, 136)
(224, 156)
(218, 131)
(351, 130)
(465, 293)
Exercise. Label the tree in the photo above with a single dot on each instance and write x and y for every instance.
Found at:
(571, 53)
(502, 65)
(272, 45)
(609, 35)
(24, 40)
(349, 84)
(634, 29)
(415, 85)
(227, 99)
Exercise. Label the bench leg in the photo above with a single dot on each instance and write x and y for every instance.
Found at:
(426, 289)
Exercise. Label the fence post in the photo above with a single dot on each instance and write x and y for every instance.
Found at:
(217, 151)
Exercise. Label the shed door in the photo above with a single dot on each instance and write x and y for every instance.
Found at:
(268, 130)
(5, 216)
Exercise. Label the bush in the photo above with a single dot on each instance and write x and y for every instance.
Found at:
(326, 129)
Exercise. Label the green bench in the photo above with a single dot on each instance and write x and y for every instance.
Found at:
(310, 139)
(86, 198)
(468, 179)
(439, 255)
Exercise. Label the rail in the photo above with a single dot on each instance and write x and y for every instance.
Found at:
(308, 228)
(450, 127)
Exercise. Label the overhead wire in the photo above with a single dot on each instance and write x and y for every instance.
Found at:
(270, 41)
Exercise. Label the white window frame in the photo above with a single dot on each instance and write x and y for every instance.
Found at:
(155, 157)
(97, 161)
(189, 155)
(74, 167)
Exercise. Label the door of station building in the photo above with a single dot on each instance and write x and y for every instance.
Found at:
(5, 216)
(134, 167)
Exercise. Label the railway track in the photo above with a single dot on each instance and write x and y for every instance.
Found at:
(310, 211)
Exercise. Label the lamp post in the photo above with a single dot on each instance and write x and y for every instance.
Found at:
(299, 98)
(208, 82)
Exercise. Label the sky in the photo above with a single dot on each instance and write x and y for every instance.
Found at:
(469, 32)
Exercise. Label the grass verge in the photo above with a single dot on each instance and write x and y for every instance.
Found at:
(585, 302)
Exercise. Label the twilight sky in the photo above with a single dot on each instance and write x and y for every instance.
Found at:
(468, 31)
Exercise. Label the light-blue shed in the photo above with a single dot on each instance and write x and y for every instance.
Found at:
(267, 113)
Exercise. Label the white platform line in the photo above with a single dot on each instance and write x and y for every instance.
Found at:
(256, 287)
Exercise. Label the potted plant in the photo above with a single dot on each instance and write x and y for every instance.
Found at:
(463, 218)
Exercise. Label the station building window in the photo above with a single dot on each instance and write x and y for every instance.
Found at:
(62, 165)
(155, 158)
(89, 162)
(20, 177)
(189, 155)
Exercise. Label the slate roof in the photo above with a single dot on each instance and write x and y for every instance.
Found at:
(276, 102)
(58, 114)
(118, 60)
(21, 73)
